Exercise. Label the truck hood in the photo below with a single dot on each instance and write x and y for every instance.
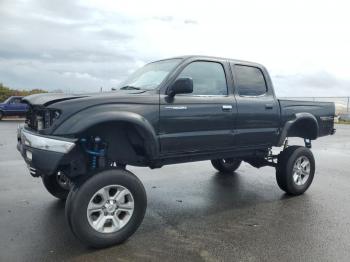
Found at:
(51, 98)
(70, 104)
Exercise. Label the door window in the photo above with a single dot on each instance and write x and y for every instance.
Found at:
(208, 78)
(250, 81)
(15, 101)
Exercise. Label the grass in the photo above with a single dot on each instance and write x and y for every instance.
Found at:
(343, 122)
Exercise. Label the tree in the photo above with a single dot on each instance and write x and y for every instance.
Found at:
(6, 92)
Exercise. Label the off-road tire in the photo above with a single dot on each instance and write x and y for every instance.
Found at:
(284, 170)
(226, 165)
(80, 197)
(68, 207)
(54, 188)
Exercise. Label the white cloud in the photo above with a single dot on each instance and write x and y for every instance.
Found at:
(105, 40)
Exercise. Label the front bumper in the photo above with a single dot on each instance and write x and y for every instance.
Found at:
(41, 153)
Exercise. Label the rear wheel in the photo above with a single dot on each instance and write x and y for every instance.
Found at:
(295, 170)
(226, 165)
(106, 209)
(1, 115)
(57, 185)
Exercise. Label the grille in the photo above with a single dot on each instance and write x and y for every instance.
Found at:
(31, 118)
(39, 118)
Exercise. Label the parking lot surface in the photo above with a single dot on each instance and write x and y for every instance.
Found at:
(194, 213)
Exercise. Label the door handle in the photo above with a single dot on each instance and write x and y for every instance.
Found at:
(269, 106)
(226, 108)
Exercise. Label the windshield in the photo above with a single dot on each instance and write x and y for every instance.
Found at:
(7, 100)
(150, 76)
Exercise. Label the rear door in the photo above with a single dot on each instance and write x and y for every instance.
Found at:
(258, 110)
(203, 120)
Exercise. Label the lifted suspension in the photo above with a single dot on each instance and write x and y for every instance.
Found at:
(96, 149)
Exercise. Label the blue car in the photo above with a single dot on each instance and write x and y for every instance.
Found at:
(13, 107)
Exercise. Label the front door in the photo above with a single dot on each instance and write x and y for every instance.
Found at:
(200, 121)
(14, 107)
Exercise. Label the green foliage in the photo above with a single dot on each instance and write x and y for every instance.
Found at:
(6, 92)
(346, 122)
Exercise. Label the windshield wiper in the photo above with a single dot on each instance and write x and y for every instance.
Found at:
(130, 88)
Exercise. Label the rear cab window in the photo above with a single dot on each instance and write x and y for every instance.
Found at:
(249, 81)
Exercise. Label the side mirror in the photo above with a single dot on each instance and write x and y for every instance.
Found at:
(181, 86)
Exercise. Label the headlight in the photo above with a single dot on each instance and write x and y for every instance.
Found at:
(47, 118)
(55, 115)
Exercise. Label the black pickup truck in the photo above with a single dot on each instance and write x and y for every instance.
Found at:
(170, 111)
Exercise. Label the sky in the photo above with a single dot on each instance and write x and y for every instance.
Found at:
(81, 46)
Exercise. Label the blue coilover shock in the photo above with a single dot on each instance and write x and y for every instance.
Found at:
(95, 149)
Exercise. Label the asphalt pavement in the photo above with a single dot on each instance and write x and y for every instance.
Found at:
(193, 214)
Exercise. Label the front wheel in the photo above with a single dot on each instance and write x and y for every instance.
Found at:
(1, 115)
(226, 165)
(106, 209)
(57, 185)
(295, 170)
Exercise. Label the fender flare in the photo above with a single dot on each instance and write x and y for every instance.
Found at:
(85, 119)
(289, 124)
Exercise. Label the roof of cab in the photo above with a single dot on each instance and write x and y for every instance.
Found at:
(214, 58)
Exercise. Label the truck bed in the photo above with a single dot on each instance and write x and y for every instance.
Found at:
(324, 113)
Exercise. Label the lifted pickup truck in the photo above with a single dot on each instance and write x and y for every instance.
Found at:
(170, 111)
(13, 107)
